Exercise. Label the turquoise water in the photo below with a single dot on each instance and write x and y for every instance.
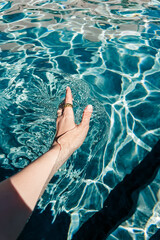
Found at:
(108, 53)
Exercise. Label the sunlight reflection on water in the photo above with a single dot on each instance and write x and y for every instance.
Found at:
(108, 53)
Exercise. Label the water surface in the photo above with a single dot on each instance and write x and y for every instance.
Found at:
(108, 53)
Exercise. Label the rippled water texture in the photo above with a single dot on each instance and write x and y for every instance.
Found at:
(108, 53)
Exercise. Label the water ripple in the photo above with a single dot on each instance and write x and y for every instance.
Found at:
(108, 53)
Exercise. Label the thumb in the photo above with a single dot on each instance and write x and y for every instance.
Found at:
(86, 115)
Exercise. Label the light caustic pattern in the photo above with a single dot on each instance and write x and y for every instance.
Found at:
(108, 53)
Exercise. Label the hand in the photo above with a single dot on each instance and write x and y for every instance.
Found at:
(70, 136)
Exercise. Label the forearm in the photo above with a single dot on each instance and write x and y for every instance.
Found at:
(30, 183)
(20, 193)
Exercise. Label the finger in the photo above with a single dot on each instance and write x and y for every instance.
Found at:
(86, 115)
(59, 112)
(68, 99)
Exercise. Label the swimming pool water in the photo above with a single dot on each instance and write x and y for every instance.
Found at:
(108, 53)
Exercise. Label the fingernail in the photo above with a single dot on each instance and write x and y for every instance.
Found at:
(90, 108)
(67, 88)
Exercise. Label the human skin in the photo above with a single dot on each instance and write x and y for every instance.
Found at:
(20, 193)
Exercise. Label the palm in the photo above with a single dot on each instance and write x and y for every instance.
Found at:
(69, 135)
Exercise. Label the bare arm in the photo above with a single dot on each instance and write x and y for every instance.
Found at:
(20, 193)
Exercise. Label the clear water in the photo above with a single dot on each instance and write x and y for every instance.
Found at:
(108, 53)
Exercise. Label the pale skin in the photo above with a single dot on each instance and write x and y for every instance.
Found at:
(20, 193)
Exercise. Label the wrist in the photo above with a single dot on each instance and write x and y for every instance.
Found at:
(64, 150)
(56, 145)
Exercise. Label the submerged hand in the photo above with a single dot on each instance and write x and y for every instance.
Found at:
(69, 135)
